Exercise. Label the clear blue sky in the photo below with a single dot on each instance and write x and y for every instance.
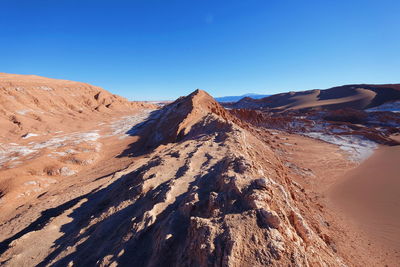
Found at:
(149, 49)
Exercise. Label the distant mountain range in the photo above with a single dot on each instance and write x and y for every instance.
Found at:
(237, 98)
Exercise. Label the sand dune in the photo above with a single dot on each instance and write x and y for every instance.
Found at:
(370, 194)
(353, 96)
(313, 100)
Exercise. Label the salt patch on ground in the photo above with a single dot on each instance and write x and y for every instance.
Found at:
(392, 107)
(74, 138)
(31, 183)
(28, 135)
(45, 88)
(358, 147)
(23, 111)
(121, 127)
(59, 153)
(11, 152)
(65, 171)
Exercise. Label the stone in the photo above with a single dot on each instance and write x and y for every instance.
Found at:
(270, 218)
(65, 171)
(262, 183)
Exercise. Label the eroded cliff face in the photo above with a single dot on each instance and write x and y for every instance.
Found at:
(207, 190)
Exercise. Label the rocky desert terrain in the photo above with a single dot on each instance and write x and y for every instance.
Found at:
(88, 178)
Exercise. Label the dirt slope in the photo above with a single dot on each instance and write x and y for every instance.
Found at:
(206, 189)
(33, 104)
(360, 96)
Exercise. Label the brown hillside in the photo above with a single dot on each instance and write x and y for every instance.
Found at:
(30, 103)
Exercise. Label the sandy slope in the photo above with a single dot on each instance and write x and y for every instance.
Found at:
(370, 195)
(322, 167)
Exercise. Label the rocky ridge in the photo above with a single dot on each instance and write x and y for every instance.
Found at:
(208, 190)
